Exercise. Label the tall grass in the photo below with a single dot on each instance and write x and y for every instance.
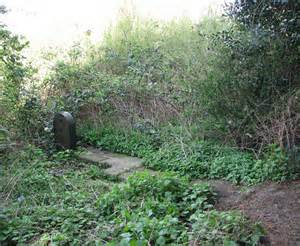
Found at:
(144, 70)
(216, 79)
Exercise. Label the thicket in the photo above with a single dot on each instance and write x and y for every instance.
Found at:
(225, 76)
(12, 75)
(232, 79)
(222, 79)
(217, 99)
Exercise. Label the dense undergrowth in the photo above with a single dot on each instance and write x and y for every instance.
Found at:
(217, 99)
(221, 80)
(223, 76)
(194, 158)
(63, 201)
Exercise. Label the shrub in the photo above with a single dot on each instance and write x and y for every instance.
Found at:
(13, 74)
(225, 75)
(249, 84)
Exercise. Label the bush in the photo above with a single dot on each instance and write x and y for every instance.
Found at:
(250, 88)
(5, 142)
(137, 77)
(223, 75)
(13, 75)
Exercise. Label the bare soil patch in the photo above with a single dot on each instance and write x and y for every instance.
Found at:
(275, 205)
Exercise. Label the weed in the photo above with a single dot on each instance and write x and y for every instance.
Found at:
(62, 201)
(194, 158)
(224, 228)
(159, 210)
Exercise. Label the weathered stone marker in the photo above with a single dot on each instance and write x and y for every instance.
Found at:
(64, 130)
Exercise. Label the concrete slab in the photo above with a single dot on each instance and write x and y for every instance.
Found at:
(116, 164)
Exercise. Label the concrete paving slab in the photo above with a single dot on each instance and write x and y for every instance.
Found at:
(117, 164)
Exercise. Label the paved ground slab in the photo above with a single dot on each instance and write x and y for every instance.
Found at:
(116, 164)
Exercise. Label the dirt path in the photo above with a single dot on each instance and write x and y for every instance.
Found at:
(277, 206)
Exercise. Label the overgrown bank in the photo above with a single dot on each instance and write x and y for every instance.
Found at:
(221, 80)
(216, 99)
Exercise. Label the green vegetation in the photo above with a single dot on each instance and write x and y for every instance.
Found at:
(64, 201)
(193, 158)
(218, 99)
(48, 199)
(220, 81)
